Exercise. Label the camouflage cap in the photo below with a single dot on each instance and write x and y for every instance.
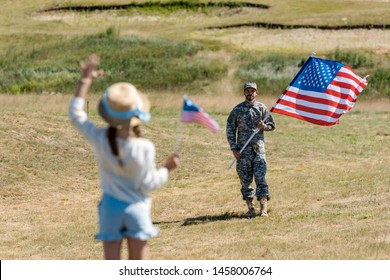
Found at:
(250, 85)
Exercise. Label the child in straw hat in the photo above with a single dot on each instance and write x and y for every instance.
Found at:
(126, 163)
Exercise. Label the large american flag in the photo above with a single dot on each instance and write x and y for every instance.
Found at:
(193, 113)
(321, 92)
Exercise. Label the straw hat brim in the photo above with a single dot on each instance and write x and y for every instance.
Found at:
(115, 122)
(133, 121)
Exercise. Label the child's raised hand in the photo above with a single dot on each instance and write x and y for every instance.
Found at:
(88, 70)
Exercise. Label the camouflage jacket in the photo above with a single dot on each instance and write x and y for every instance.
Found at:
(243, 121)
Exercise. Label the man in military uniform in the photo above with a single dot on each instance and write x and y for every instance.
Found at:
(251, 164)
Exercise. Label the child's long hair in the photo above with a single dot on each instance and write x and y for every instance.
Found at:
(111, 135)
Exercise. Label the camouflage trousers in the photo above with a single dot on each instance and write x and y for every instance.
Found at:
(252, 166)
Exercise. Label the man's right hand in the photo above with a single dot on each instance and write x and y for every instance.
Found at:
(236, 154)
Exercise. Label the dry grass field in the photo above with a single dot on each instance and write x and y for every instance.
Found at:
(330, 195)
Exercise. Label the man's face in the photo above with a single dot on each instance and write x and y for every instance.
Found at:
(250, 94)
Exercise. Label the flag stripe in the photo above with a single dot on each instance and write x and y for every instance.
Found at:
(352, 75)
(303, 116)
(315, 98)
(348, 77)
(346, 90)
(199, 117)
(311, 108)
(340, 93)
(321, 93)
(192, 113)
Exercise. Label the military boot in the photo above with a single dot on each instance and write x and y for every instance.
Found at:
(263, 206)
(252, 212)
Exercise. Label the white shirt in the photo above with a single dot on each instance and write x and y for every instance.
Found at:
(131, 182)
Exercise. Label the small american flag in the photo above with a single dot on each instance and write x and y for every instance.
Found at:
(193, 113)
(321, 92)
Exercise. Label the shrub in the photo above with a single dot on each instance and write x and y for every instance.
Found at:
(352, 59)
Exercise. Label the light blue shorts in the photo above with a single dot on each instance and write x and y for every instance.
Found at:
(118, 219)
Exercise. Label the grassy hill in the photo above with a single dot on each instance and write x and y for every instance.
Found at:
(189, 45)
(329, 185)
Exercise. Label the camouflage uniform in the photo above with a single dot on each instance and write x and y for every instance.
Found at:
(241, 123)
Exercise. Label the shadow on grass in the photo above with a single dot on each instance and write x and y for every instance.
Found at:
(208, 218)
(205, 219)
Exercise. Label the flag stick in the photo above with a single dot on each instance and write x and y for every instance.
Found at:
(247, 142)
(178, 136)
(179, 131)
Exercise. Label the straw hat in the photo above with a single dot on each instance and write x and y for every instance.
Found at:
(123, 105)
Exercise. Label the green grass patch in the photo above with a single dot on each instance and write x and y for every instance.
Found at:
(351, 58)
(159, 64)
(147, 63)
(380, 80)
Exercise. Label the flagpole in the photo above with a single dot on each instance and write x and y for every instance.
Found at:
(242, 149)
(179, 131)
(178, 136)
(247, 142)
